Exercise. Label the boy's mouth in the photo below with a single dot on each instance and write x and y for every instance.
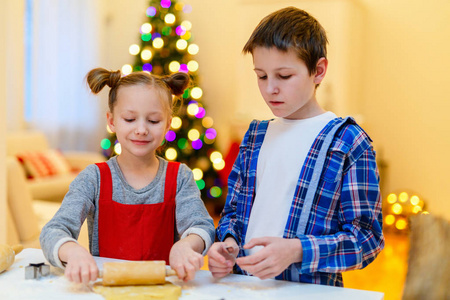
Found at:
(275, 103)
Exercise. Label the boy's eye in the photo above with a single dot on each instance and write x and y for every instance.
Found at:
(129, 120)
(285, 76)
(262, 77)
(154, 121)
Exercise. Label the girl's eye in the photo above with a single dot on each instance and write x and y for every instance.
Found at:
(154, 122)
(129, 120)
(262, 77)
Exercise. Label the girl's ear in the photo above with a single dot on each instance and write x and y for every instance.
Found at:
(321, 70)
(169, 122)
(110, 121)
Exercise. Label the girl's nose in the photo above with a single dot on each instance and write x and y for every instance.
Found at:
(141, 129)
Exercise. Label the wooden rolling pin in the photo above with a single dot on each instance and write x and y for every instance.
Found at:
(7, 255)
(135, 273)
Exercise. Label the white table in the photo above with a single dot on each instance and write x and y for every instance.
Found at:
(54, 286)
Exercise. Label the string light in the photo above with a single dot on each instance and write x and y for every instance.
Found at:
(171, 136)
(158, 43)
(105, 144)
(169, 18)
(180, 30)
(118, 148)
(176, 123)
(186, 24)
(201, 184)
(134, 49)
(183, 68)
(146, 55)
(186, 36)
(193, 49)
(147, 67)
(146, 28)
(181, 44)
(207, 122)
(165, 3)
(151, 11)
(193, 134)
(127, 69)
(201, 113)
(192, 65)
(398, 207)
(174, 66)
(197, 144)
(196, 93)
(215, 157)
(179, 6)
(219, 165)
(403, 197)
(171, 154)
(108, 129)
(198, 173)
(192, 109)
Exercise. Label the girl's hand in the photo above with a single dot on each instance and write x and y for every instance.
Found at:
(222, 257)
(80, 265)
(185, 258)
(276, 256)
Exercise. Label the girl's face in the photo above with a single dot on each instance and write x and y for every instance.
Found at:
(140, 120)
(285, 83)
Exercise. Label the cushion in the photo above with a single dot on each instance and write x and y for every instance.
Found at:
(38, 164)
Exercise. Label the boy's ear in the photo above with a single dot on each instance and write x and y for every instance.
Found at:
(110, 121)
(321, 70)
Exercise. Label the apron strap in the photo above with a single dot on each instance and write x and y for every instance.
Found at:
(105, 182)
(170, 185)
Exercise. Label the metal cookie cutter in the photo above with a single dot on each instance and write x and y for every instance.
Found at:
(35, 271)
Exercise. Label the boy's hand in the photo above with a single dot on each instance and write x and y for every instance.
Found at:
(222, 257)
(80, 265)
(276, 256)
(185, 258)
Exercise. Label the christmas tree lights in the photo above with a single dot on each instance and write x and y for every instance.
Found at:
(166, 46)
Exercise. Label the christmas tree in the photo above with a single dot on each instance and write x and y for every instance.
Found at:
(166, 46)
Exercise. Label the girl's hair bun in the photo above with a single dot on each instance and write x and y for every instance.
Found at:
(177, 82)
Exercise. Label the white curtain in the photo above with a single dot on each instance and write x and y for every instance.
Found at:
(64, 46)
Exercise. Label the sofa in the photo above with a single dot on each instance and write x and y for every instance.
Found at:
(29, 146)
(32, 202)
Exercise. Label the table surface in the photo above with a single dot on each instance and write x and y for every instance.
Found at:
(55, 286)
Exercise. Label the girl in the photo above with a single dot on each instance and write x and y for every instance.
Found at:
(137, 204)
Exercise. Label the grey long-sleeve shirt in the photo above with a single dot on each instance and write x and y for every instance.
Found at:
(81, 203)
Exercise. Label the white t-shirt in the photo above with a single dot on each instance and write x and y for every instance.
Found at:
(281, 158)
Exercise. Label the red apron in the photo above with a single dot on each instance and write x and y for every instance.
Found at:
(136, 231)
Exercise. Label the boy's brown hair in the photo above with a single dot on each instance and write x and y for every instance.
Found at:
(291, 28)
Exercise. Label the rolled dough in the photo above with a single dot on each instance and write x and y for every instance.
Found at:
(165, 291)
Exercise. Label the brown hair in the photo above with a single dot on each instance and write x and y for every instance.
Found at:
(291, 28)
(169, 85)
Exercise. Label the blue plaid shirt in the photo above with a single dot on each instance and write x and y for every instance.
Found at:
(344, 228)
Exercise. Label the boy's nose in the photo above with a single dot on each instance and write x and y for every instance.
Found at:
(272, 87)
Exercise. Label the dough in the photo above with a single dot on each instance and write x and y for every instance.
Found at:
(167, 291)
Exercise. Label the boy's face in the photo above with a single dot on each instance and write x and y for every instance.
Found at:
(285, 83)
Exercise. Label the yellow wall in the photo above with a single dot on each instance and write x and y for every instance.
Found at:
(406, 94)
(398, 85)
(2, 122)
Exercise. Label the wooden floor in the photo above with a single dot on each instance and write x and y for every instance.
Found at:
(386, 274)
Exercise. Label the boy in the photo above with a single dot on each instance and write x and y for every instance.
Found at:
(303, 198)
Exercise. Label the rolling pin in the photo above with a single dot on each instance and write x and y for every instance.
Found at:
(135, 273)
(7, 255)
